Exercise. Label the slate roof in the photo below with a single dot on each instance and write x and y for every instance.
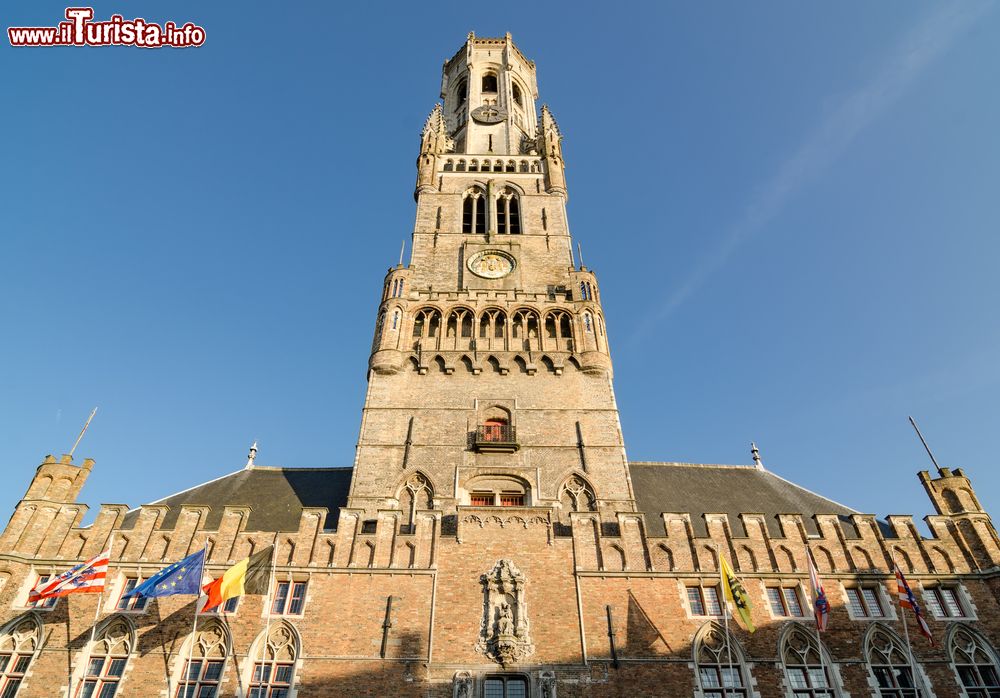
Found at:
(725, 489)
(276, 497)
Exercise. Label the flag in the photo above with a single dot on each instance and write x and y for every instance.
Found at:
(908, 600)
(821, 606)
(182, 577)
(251, 575)
(732, 589)
(87, 578)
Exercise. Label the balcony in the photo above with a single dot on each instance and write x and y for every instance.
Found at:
(495, 438)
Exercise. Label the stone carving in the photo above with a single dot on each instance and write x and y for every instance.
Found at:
(503, 523)
(504, 633)
(547, 684)
(462, 685)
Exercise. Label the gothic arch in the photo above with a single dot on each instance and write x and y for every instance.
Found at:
(747, 560)
(571, 361)
(494, 363)
(972, 657)
(558, 331)
(208, 650)
(550, 367)
(474, 206)
(824, 560)
(617, 557)
(903, 559)
(887, 659)
(576, 494)
(664, 558)
(719, 661)
(522, 364)
(467, 362)
(107, 657)
(440, 364)
(941, 560)
(709, 559)
(414, 493)
(803, 660)
(786, 561)
(20, 640)
(280, 652)
(862, 559)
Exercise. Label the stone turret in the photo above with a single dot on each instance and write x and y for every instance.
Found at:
(959, 511)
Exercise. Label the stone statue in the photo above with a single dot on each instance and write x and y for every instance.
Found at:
(505, 620)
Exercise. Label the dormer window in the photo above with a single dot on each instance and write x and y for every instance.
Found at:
(490, 83)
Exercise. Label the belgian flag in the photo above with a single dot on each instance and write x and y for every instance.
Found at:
(251, 575)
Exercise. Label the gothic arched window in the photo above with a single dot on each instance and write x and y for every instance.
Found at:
(516, 93)
(720, 663)
(974, 662)
(474, 212)
(889, 663)
(204, 670)
(805, 671)
(416, 494)
(18, 644)
(108, 657)
(462, 93)
(272, 677)
(508, 213)
(577, 495)
(490, 82)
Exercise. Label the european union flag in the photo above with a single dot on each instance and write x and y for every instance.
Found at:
(183, 577)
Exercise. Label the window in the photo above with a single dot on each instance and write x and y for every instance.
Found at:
(516, 92)
(490, 82)
(289, 598)
(229, 606)
(890, 664)
(720, 670)
(474, 212)
(508, 499)
(462, 94)
(508, 213)
(132, 603)
(975, 663)
(944, 602)
(43, 603)
(704, 601)
(17, 647)
(415, 495)
(107, 661)
(272, 678)
(805, 671)
(481, 499)
(784, 601)
(505, 687)
(865, 602)
(203, 672)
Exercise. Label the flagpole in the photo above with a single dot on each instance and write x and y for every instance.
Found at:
(906, 630)
(190, 655)
(267, 623)
(100, 602)
(232, 645)
(725, 619)
(819, 639)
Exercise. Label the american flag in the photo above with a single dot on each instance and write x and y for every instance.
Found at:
(87, 578)
(821, 606)
(908, 600)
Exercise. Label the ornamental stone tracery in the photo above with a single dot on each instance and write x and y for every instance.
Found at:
(504, 633)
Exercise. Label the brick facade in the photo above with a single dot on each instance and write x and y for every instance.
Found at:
(491, 487)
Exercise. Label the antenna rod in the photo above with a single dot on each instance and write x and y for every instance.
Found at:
(402, 247)
(82, 432)
(926, 447)
(579, 249)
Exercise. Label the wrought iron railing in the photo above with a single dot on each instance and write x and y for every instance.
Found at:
(499, 437)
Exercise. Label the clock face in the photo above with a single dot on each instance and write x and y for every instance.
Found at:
(488, 114)
(491, 264)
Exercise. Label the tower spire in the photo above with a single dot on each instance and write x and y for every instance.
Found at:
(252, 455)
(755, 452)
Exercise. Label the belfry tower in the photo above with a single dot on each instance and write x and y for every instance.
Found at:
(490, 380)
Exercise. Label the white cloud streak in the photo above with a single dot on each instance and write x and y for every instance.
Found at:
(926, 41)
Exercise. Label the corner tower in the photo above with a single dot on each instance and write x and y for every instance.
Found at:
(490, 378)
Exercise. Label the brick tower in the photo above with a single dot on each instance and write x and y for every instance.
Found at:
(490, 376)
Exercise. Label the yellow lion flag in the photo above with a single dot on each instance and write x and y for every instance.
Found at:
(732, 589)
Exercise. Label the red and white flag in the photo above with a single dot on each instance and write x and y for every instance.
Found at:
(908, 600)
(821, 606)
(87, 578)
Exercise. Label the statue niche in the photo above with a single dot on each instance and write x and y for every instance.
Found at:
(504, 633)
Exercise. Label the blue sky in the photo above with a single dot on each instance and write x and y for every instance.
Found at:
(792, 209)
